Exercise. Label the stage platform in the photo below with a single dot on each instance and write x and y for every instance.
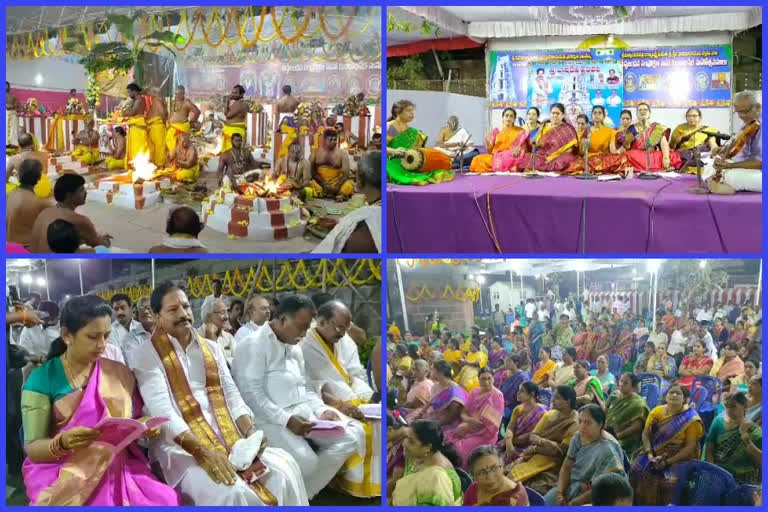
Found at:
(569, 215)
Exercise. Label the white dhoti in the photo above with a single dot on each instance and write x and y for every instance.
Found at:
(741, 180)
(318, 468)
(361, 475)
(11, 127)
(283, 481)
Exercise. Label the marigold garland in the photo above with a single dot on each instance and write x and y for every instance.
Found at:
(291, 276)
(333, 37)
(421, 293)
(294, 39)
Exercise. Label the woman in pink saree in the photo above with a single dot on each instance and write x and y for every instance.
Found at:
(64, 400)
(480, 419)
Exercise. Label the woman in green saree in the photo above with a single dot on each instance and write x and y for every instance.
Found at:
(400, 138)
(625, 413)
(734, 442)
(588, 389)
(430, 477)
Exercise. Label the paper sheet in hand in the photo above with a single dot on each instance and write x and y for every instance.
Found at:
(120, 432)
(371, 411)
(324, 429)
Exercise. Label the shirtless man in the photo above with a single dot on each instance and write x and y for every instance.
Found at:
(69, 192)
(183, 118)
(157, 116)
(87, 144)
(27, 153)
(12, 108)
(117, 159)
(235, 113)
(330, 170)
(137, 140)
(376, 142)
(347, 140)
(235, 162)
(287, 104)
(184, 160)
(22, 206)
(296, 168)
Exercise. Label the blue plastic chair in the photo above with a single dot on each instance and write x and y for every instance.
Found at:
(535, 499)
(650, 391)
(714, 387)
(544, 397)
(741, 496)
(646, 378)
(615, 364)
(699, 397)
(702, 483)
(465, 479)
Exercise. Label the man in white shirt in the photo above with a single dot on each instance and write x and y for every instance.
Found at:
(139, 336)
(270, 372)
(704, 315)
(709, 343)
(37, 339)
(658, 336)
(619, 305)
(216, 285)
(530, 309)
(333, 366)
(259, 312)
(184, 377)
(216, 319)
(121, 305)
(677, 343)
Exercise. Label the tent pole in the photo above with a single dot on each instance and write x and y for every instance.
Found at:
(402, 293)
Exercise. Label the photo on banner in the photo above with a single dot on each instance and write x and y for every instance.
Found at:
(574, 129)
(574, 382)
(262, 124)
(196, 382)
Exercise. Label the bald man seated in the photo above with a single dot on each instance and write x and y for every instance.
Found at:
(28, 152)
(183, 228)
(22, 206)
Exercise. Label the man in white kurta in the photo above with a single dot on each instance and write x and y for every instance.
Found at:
(125, 324)
(269, 370)
(189, 464)
(216, 318)
(139, 336)
(334, 370)
(258, 312)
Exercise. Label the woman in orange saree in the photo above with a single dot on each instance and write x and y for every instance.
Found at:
(555, 148)
(508, 139)
(644, 134)
(601, 161)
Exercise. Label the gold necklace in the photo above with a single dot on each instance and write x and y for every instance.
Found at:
(67, 371)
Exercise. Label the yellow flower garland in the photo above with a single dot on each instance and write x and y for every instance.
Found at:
(422, 293)
(292, 276)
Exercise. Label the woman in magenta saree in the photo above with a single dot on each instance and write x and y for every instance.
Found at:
(554, 147)
(524, 419)
(654, 135)
(480, 420)
(63, 400)
(496, 355)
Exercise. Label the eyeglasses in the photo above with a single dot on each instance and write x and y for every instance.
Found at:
(487, 471)
(144, 308)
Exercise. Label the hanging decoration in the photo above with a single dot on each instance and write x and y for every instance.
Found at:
(427, 263)
(423, 293)
(92, 91)
(292, 275)
(211, 28)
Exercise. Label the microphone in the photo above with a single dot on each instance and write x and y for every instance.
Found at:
(717, 135)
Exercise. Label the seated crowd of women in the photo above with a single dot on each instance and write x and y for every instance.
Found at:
(484, 409)
(561, 146)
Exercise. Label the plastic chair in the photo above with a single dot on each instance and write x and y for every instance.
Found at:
(714, 387)
(702, 483)
(465, 479)
(544, 397)
(650, 378)
(741, 496)
(650, 391)
(535, 499)
(699, 397)
(615, 364)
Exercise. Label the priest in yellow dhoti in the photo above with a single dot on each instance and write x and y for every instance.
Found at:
(330, 170)
(117, 159)
(157, 115)
(235, 113)
(184, 114)
(183, 162)
(334, 369)
(87, 145)
(137, 140)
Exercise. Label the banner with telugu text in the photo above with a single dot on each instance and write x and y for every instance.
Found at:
(664, 77)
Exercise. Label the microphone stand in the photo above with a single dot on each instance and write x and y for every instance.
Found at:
(699, 189)
(647, 175)
(586, 175)
(534, 174)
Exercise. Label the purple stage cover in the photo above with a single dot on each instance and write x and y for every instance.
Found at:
(546, 216)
